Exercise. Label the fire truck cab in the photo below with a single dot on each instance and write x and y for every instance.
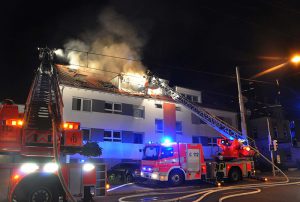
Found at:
(173, 162)
(179, 162)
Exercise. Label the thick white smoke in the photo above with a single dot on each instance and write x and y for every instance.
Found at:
(114, 37)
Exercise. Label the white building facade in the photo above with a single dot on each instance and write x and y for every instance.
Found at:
(123, 123)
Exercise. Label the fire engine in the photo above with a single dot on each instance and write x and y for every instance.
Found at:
(176, 162)
(31, 144)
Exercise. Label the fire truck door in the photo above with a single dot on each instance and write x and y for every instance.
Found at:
(193, 160)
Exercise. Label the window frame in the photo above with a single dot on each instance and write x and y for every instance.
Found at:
(112, 138)
(81, 104)
(178, 132)
(157, 131)
(90, 134)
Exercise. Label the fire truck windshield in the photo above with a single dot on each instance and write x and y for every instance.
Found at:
(151, 153)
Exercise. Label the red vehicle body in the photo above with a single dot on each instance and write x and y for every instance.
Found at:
(31, 144)
(178, 162)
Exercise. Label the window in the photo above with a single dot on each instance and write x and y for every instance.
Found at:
(159, 126)
(113, 107)
(192, 98)
(117, 107)
(179, 127)
(108, 106)
(86, 105)
(112, 136)
(205, 141)
(81, 104)
(212, 141)
(166, 152)
(178, 108)
(138, 138)
(158, 106)
(76, 104)
(85, 134)
(138, 111)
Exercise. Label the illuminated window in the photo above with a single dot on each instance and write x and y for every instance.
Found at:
(112, 136)
(159, 126)
(178, 127)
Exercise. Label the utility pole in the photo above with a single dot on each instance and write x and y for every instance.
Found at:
(270, 143)
(241, 103)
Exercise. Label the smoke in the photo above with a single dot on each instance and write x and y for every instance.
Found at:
(115, 37)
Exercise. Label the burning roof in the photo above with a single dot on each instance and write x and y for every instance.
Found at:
(132, 84)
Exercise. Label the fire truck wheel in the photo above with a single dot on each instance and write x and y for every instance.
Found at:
(235, 174)
(43, 194)
(176, 177)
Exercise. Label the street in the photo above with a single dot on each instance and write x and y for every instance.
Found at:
(275, 189)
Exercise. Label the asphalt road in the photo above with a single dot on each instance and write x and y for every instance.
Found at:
(272, 191)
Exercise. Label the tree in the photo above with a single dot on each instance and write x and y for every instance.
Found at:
(91, 149)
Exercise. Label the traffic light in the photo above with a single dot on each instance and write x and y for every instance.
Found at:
(275, 145)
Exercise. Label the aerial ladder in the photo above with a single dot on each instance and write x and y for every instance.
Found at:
(37, 137)
(233, 140)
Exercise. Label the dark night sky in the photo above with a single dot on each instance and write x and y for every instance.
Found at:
(196, 44)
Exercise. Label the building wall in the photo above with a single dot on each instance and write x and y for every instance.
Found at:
(191, 126)
(279, 130)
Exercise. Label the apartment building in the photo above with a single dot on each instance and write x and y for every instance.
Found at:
(122, 122)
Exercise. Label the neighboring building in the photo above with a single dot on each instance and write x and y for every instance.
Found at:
(279, 130)
(122, 121)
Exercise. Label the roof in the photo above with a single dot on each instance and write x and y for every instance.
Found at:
(89, 80)
(93, 81)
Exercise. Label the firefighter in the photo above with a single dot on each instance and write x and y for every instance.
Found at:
(220, 167)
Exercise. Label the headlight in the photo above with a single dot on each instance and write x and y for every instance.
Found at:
(50, 167)
(154, 176)
(87, 167)
(29, 167)
(142, 174)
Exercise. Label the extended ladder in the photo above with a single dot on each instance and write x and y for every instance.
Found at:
(219, 125)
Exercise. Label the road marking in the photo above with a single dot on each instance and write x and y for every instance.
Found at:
(123, 185)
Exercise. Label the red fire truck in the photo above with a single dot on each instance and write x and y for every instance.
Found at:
(32, 142)
(177, 162)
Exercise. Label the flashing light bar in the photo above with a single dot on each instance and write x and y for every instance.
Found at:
(14, 122)
(71, 126)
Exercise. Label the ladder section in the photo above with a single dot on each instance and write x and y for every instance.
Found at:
(44, 104)
(100, 189)
(219, 125)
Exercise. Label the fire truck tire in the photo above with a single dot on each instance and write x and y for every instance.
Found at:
(235, 174)
(176, 177)
(43, 194)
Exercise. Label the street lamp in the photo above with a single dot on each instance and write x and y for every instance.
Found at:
(295, 60)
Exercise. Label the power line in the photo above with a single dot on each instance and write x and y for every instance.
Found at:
(105, 55)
